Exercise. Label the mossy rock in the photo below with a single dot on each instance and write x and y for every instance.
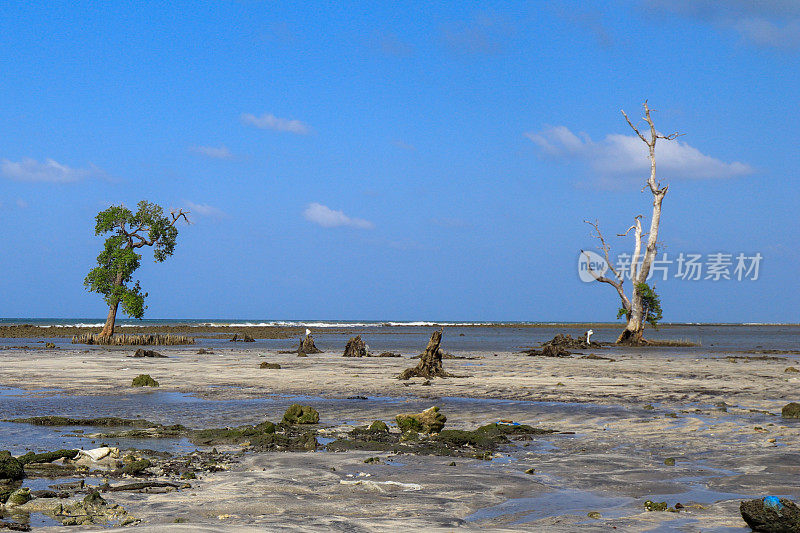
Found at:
(379, 426)
(655, 506)
(103, 421)
(235, 435)
(19, 497)
(428, 421)
(94, 498)
(136, 468)
(144, 380)
(10, 468)
(272, 366)
(47, 457)
(301, 414)
(791, 410)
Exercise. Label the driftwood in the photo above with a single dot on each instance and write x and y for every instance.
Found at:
(356, 347)
(430, 363)
(133, 340)
(140, 486)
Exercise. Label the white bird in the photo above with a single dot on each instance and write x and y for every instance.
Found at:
(308, 332)
(588, 336)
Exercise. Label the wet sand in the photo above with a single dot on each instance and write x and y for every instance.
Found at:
(612, 463)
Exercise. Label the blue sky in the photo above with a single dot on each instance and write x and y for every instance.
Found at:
(399, 162)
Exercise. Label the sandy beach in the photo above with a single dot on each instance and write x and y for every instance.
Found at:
(616, 423)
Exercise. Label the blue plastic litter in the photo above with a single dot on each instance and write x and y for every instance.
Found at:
(773, 502)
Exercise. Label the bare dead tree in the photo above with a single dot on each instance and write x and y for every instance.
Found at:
(639, 270)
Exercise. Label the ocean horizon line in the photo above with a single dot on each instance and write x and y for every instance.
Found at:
(83, 322)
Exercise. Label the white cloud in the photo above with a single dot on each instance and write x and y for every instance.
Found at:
(22, 204)
(205, 210)
(215, 152)
(50, 171)
(328, 218)
(774, 23)
(268, 121)
(623, 156)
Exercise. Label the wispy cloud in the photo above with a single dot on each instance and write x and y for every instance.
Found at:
(625, 156)
(450, 222)
(268, 121)
(484, 34)
(390, 44)
(214, 152)
(49, 171)
(205, 210)
(404, 145)
(22, 204)
(329, 218)
(773, 23)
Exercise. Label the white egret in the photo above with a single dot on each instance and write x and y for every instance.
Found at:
(588, 336)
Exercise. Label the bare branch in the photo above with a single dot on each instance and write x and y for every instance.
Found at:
(176, 215)
(604, 246)
(632, 126)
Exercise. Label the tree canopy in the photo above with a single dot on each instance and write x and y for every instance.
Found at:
(113, 275)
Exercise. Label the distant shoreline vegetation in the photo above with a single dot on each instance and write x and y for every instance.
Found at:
(323, 324)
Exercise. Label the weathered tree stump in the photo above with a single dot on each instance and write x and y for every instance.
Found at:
(307, 346)
(430, 363)
(356, 347)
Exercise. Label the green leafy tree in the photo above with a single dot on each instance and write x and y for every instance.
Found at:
(651, 305)
(118, 261)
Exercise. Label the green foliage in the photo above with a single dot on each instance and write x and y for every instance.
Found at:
(622, 312)
(118, 261)
(651, 304)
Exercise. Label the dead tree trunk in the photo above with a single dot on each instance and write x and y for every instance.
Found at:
(355, 347)
(430, 363)
(307, 346)
(639, 269)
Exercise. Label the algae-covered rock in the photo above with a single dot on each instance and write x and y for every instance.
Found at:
(301, 414)
(273, 366)
(144, 380)
(237, 435)
(655, 506)
(379, 425)
(669, 461)
(10, 468)
(47, 457)
(771, 515)
(136, 468)
(428, 421)
(791, 410)
(19, 497)
(791, 370)
(94, 498)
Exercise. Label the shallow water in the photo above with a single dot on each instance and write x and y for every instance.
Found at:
(410, 340)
